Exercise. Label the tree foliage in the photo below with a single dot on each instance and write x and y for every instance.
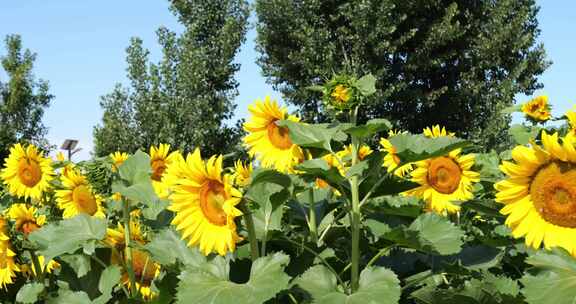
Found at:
(453, 62)
(186, 98)
(23, 98)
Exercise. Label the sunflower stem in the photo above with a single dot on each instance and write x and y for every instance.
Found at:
(312, 217)
(251, 231)
(37, 267)
(380, 253)
(128, 249)
(355, 216)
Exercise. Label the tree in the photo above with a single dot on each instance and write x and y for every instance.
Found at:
(185, 99)
(451, 62)
(23, 99)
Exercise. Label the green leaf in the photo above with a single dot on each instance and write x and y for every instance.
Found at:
(523, 134)
(262, 175)
(70, 297)
(312, 135)
(372, 127)
(79, 262)
(210, 283)
(377, 285)
(411, 148)
(109, 278)
(552, 280)
(68, 235)
(151, 211)
(140, 189)
(167, 248)
(269, 197)
(430, 233)
(29, 293)
(135, 166)
(366, 85)
(319, 168)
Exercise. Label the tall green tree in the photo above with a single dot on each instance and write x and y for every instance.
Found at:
(452, 62)
(186, 99)
(23, 98)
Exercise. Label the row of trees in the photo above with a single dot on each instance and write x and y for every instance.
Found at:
(453, 62)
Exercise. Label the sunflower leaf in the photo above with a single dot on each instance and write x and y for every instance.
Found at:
(269, 197)
(210, 284)
(70, 297)
(371, 127)
(552, 280)
(313, 135)
(168, 248)
(79, 262)
(430, 233)
(523, 134)
(135, 166)
(140, 189)
(68, 235)
(109, 278)
(29, 293)
(366, 85)
(412, 148)
(377, 285)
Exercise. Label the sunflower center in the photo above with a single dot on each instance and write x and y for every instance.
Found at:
(28, 227)
(279, 136)
(144, 267)
(84, 199)
(444, 175)
(29, 172)
(553, 192)
(158, 167)
(212, 198)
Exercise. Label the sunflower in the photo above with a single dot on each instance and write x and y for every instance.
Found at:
(27, 172)
(437, 131)
(26, 218)
(78, 196)
(242, 175)
(571, 134)
(266, 140)
(118, 158)
(115, 236)
(29, 270)
(205, 204)
(444, 180)
(8, 267)
(341, 94)
(145, 271)
(540, 193)
(160, 158)
(537, 109)
(333, 161)
(391, 160)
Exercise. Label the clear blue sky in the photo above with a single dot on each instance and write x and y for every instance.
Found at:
(81, 51)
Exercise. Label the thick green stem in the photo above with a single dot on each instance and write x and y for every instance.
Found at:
(312, 217)
(355, 223)
(39, 269)
(251, 232)
(128, 248)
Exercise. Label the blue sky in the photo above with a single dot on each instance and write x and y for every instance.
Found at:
(81, 51)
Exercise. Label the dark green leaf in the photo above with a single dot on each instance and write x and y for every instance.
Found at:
(411, 148)
(312, 135)
(372, 127)
(79, 262)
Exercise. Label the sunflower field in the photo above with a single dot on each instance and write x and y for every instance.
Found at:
(316, 213)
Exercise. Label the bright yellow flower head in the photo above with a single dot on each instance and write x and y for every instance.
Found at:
(540, 193)
(444, 181)
(242, 173)
(8, 266)
(118, 158)
(391, 160)
(266, 140)
(437, 131)
(78, 196)
(26, 218)
(205, 203)
(571, 115)
(537, 109)
(60, 157)
(160, 158)
(27, 173)
(29, 270)
(341, 94)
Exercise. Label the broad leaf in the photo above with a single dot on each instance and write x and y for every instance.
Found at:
(168, 248)
(523, 134)
(79, 262)
(135, 166)
(68, 235)
(70, 297)
(411, 148)
(109, 278)
(29, 293)
(372, 127)
(312, 135)
(552, 280)
(319, 168)
(269, 197)
(140, 189)
(377, 285)
(430, 233)
(366, 85)
(210, 284)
